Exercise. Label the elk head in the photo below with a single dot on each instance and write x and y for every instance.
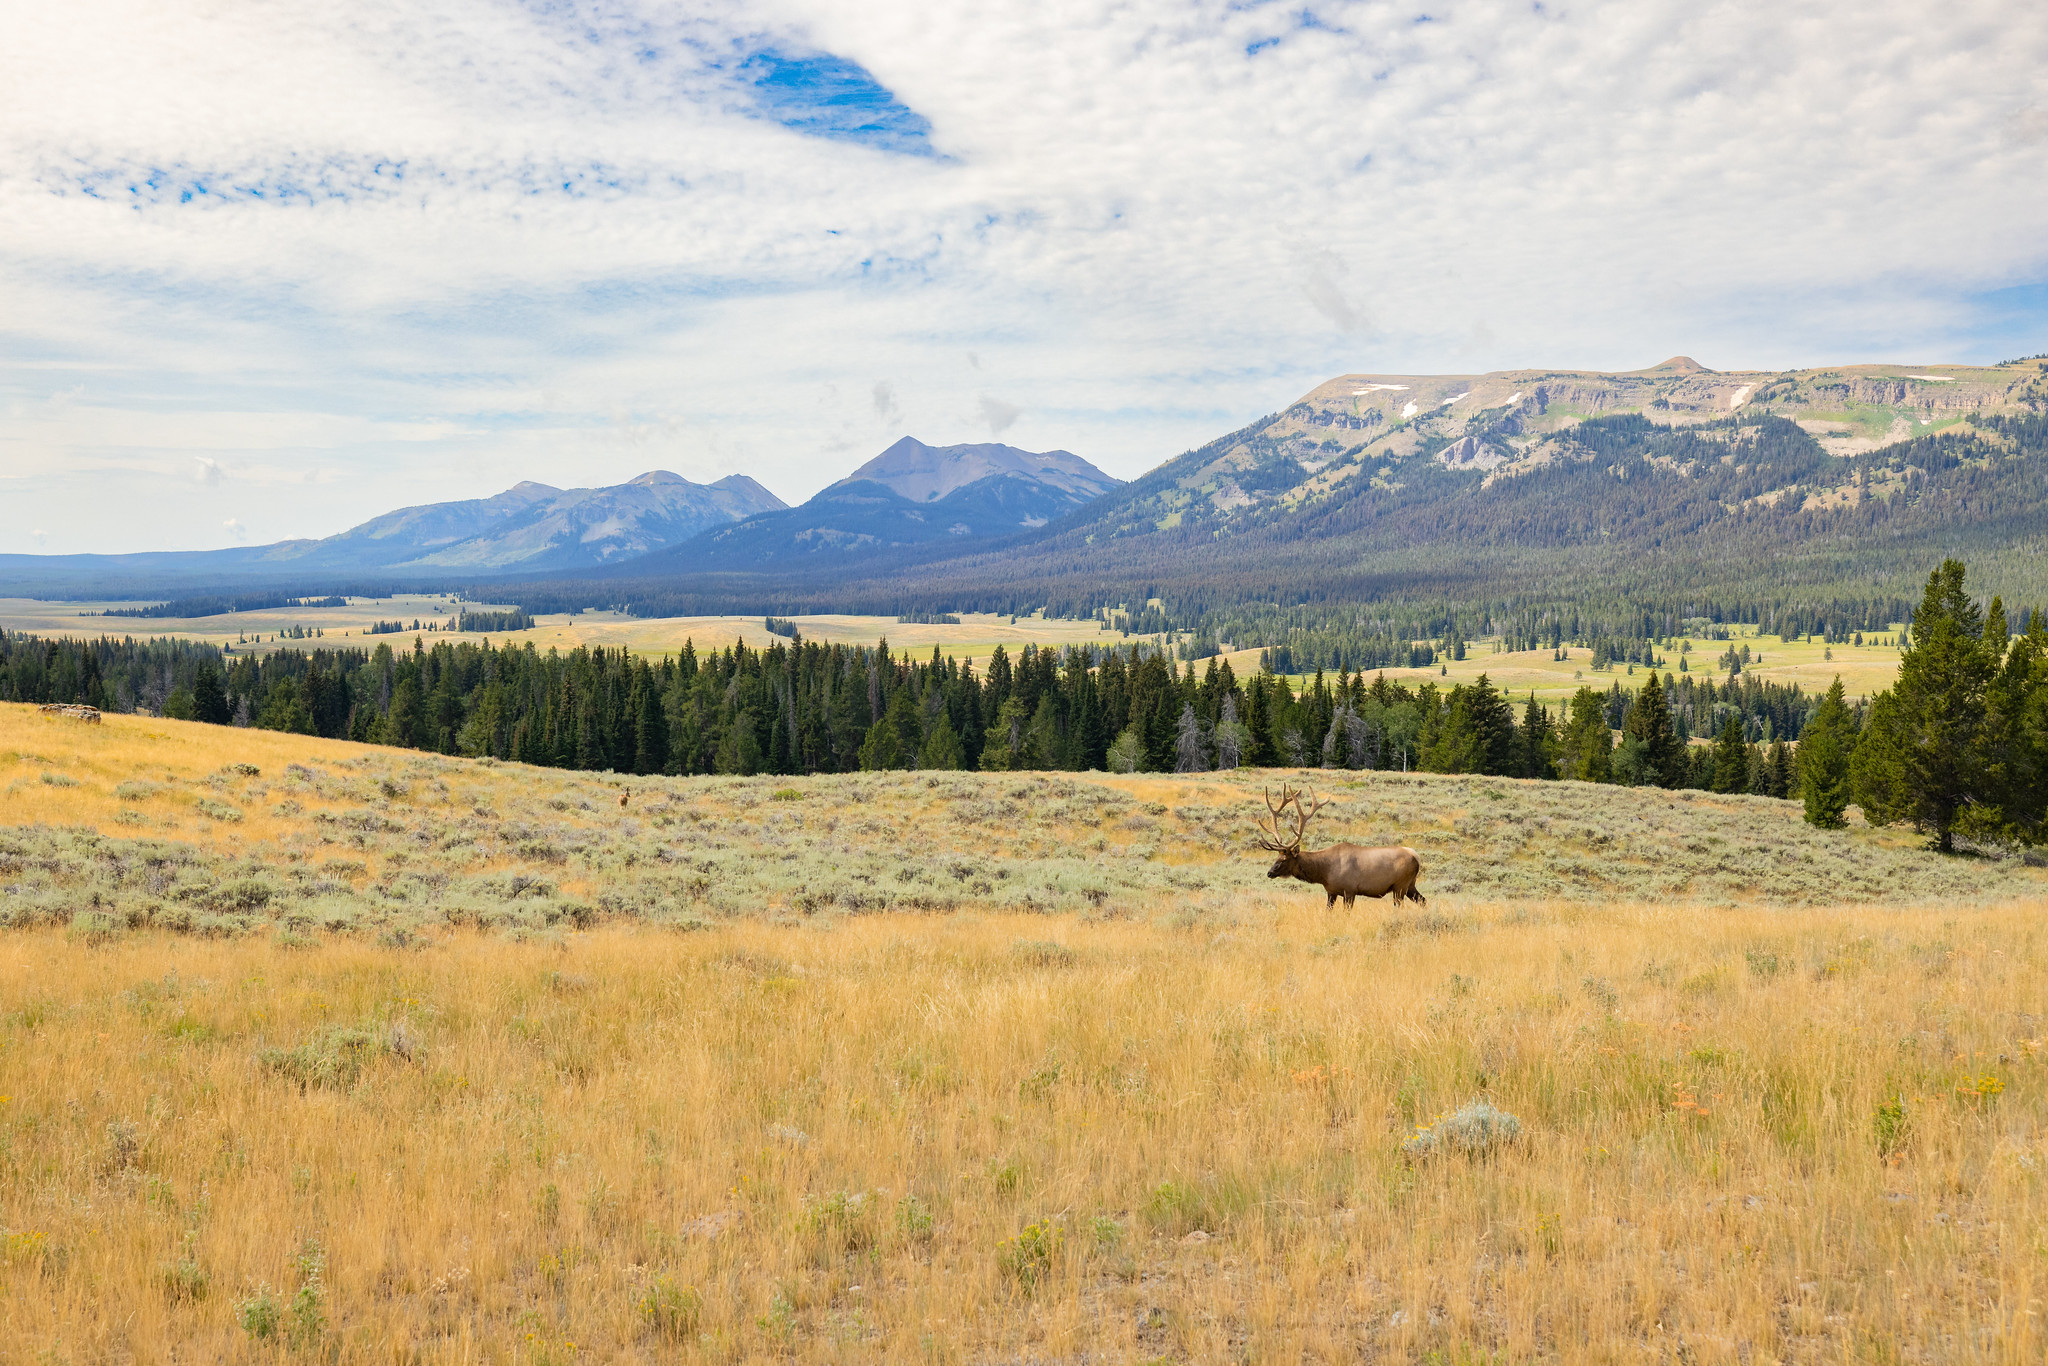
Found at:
(1286, 841)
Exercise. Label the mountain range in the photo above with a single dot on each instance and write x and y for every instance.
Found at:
(1676, 484)
(528, 528)
(1674, 479)
(909, 495)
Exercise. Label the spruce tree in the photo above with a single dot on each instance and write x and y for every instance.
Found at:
(1731, 758)
(2016, 703)
(1778, 769)
(941, 748)
(1536, 743)
(1649, 724)
(209, 699)
(1824, 747)
(1493, 729)
(1588, 740)
(1922, 758)
(1258, 724)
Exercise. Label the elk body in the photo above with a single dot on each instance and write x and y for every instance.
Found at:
(1346, 870)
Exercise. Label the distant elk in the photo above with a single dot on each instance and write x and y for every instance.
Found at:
(1346, 870)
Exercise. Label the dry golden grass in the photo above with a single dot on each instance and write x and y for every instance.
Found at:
(1865, 670)
(824, 1144)
(975, 638)
(1171, 1126)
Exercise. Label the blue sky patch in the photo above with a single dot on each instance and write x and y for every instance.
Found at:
(830, 97)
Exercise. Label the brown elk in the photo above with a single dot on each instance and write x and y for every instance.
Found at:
(1346, 870)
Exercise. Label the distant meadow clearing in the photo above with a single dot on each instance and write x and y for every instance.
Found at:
(316, 1050)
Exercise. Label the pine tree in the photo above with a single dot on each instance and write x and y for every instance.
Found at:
(1536, 743)
(1258, 724)
(1588, 740)
(1778, 767)
(209, 699)
(1824, 748)
(2016, 761)
(1649, 724)
(1731, 758)
(1493, 729)
(1922, 758)
(941, 748)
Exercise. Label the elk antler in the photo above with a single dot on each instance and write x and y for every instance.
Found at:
(1271, 823)
(1304, 814)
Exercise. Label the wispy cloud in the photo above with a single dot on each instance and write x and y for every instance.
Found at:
(570, 242)
(999, 416)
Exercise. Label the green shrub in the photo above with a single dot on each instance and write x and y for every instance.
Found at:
(1474, 1130)
(260, 1315)
(1178, 1207)
(671, 1310)
(914, 1219)
(843, 1221)
(1028, 1257)
(333, 1058)
(94, 927)
(1891, 1126)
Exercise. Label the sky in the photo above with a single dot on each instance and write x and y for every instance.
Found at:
(269, 269)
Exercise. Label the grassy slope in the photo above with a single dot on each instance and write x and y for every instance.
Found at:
(375, 839)
(1864, 669)
(974, 639)
(803, 1132)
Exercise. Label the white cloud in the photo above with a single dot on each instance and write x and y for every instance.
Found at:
(439, 247)
(208, 471)
(234, 528)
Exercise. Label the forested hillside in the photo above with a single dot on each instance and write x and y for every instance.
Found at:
(1616, 527)
(801, 707)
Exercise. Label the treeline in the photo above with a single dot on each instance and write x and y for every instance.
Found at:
(803, 707)
(215, 605)
(1958, 746)
(516, 619)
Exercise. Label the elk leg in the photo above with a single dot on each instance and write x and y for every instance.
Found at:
(1349, 898)
(1332, 901)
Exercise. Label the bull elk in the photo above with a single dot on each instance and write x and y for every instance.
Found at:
(1346, 870)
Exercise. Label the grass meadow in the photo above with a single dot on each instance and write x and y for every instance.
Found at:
(373, 1056)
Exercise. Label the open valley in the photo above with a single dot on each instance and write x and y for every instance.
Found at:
(375, 1055)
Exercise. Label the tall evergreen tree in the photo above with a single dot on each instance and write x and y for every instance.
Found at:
(1922, 758)
(209, 699)
(941, 748)
(1588, 740)
(1779, 780)
(1493, 727)
(1824, 748)
(1731, 758)
(1536, 743)
(1649, 724)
